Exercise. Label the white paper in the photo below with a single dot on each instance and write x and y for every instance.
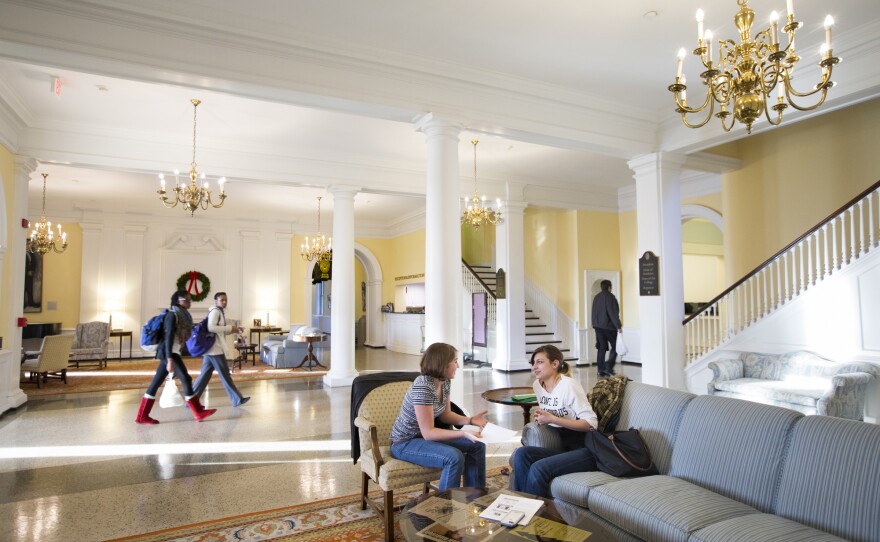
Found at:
(492, 434)
(506, 504)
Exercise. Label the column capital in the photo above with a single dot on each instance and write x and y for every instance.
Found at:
(647, 163)
(341, 191)
(518, 207)
(24, 166)
(431, 124)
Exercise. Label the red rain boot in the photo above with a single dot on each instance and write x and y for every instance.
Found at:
(143, 416)
(199, 412)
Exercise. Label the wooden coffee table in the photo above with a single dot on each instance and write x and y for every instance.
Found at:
(504, 396)
(457, 517)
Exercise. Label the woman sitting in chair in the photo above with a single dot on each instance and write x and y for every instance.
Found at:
(415, 438)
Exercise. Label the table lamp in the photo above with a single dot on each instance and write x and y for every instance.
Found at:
(111, 305)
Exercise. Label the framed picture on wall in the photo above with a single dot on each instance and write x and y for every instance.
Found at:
(33, 282)
(258, 322)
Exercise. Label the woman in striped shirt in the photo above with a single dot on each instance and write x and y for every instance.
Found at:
(415, 438)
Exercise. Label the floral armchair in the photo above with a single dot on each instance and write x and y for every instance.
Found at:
(90, 343)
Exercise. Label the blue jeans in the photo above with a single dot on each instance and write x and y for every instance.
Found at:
(455, 457)
(535, 467)
(218, 362)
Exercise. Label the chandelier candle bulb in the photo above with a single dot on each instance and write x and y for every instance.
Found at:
(774, 27)
(708, 40)
(680, 64)
(684, 92)
(829, 22)
(700, 24)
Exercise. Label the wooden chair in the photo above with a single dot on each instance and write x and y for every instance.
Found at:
(51, 360)
(374, 420)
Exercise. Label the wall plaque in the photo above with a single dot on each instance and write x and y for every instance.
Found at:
(649, 274)
(500, 284)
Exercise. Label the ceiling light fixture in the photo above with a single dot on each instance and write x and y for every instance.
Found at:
(745, 74)
(319, 248)
(193, 196)
(476, 213)
(42, 239)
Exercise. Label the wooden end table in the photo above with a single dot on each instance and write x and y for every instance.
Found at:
(121, 333)
(243, 352)
(259, 331)
(504, 396)
(456, 516)
(309, 356)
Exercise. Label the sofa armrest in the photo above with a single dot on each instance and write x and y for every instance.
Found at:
(846, 396)
(541, 435)
(724, 369)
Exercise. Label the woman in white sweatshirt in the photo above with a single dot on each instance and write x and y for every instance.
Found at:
(563, 407)
(215, 357)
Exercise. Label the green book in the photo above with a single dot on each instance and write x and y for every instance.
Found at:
(525, 398)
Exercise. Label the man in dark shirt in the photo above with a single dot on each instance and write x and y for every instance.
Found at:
(606, 323)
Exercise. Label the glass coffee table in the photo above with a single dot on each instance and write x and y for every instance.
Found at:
(454, 514)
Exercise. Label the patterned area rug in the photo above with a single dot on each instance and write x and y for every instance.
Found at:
(333, 520)
(132, 375)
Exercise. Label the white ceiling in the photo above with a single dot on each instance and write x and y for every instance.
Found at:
(299, 96)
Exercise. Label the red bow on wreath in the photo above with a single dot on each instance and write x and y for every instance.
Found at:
(193, 283)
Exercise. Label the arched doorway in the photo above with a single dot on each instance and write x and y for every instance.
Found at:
(702, 237)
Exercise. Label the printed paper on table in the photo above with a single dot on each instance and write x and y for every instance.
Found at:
(492, 434)
(506, 504)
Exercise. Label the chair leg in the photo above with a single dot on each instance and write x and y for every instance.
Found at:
(64, 375)
(389, 516)
(365, 480)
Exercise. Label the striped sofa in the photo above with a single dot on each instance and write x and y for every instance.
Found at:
(732, 470)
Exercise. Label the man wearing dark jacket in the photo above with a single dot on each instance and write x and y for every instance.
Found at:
(606, 323)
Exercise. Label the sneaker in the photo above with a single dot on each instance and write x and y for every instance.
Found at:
(243, 401)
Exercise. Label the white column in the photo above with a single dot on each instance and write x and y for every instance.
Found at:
(11, 395)
(658, 204)
(342, 371)
(511, 315)
(443, 300)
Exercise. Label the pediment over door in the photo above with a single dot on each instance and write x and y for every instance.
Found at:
(202, 242)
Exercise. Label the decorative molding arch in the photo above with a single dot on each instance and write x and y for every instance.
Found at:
(199, 243)
(701, 211)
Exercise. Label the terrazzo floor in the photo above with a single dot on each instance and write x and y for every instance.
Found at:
(77, 467)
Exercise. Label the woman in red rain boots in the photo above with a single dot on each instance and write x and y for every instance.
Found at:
(176, 327)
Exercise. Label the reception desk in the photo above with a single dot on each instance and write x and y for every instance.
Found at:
(404, 332)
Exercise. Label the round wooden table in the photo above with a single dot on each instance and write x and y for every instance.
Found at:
(310, 357)
(504, 396)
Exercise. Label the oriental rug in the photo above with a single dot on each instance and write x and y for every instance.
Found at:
(339, 519)
(134, 375)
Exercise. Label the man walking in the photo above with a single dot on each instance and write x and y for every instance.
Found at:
(606, 323)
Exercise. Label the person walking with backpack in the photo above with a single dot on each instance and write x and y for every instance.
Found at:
(215, 357)
(176, 327)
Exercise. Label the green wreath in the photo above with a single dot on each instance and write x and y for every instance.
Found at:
(187, 282)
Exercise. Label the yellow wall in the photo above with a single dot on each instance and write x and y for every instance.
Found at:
(792, 177)
(478, 245)
(408, 258)
(598, 248)
(62, 274)
(629, 270)
(7, 174)
(551, 255)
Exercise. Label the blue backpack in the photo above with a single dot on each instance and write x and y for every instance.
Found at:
(200, 339)
(151, 334)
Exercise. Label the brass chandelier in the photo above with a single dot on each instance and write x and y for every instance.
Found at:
(41, 239)
(319, 248)
(476, 213)
(195, 195)
(743, 77)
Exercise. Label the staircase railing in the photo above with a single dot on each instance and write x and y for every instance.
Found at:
(843, 237)
(565, 329)
(475, 285)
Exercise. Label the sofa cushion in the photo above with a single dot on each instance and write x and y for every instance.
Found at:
(761, 528)
(657, 425)
(799, 391)
(830, 477)
(575, 488)
(661, 508)
(763, 366)
(733, 447)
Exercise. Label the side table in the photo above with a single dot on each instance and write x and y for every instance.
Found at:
(259, 331)
(309, 356)
(243, 352)
(504, 396)
(120, 333)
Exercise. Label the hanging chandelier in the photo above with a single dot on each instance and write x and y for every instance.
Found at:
(476, 213)
(319, 248)
(196, 195)
(41, 239)
(743, 76)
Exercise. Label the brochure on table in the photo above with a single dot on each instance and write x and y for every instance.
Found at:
(505, 504)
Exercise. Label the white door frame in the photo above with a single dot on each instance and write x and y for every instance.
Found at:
(592, 279)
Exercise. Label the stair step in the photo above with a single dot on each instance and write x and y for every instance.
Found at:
(536, 325)
(542, 342)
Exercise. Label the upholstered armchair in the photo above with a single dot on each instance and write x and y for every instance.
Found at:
(50, 361)
(90, 343)
(374, 420)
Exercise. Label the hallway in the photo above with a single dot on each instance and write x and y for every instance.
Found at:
(77, 467)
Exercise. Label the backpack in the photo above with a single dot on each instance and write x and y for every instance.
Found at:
(200, 339)
(606, 398)
(151, 334)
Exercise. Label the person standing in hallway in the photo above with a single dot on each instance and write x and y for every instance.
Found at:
(416, 438)
(215, 357)
(176, 327)
(606, 323)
